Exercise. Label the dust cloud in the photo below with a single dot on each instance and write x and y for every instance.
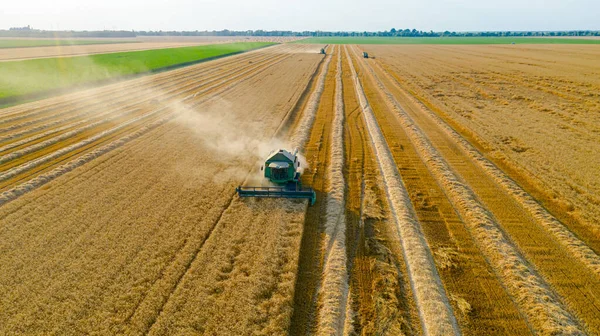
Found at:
(231, 140)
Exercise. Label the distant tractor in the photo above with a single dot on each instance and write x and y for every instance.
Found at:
(322, 51)
(282, 169)
(365, 54)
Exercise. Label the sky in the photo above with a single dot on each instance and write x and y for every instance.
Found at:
(327, 15)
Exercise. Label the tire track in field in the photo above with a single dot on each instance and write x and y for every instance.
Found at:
(435, 311)
(333, 291)
(313, 130)
(541, 305)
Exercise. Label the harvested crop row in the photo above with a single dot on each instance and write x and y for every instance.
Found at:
(333, 294)
(316, 153)
(61, 137)
(40, 133)
(571, 279)
(576, 246)
(541, 305)
(479, 299)
(535, 118)
(302, 132)
(435, 311)
(381, 296)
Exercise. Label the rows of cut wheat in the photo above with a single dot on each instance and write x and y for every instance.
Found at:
(478, 298)
(381, 296)
(535, 118)
(531, 291)
(436, 313)
(333, 294)
(570, 241)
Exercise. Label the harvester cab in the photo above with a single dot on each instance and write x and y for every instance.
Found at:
(322, 51)
(282, 169)
(365, 54)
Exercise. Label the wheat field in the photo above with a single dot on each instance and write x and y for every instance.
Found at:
(456, 194)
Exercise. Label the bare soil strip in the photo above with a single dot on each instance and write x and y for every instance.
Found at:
(435, 311)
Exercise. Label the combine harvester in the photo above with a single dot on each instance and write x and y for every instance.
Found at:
(282, 169)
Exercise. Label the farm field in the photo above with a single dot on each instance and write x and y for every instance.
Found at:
(30, 77)
(447, 40)
(139, 43)
(26, 43)
(456, 194)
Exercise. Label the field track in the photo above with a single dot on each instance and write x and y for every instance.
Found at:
(118, 213)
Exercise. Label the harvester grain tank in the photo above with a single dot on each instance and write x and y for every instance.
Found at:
(283, 170)
(365, 54)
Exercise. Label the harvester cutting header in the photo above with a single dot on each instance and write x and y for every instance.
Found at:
(282, 169)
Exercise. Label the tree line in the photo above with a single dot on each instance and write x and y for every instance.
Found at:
(391, 33)
(29, 32)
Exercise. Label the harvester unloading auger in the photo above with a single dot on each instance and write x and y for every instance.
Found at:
(282, 169)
